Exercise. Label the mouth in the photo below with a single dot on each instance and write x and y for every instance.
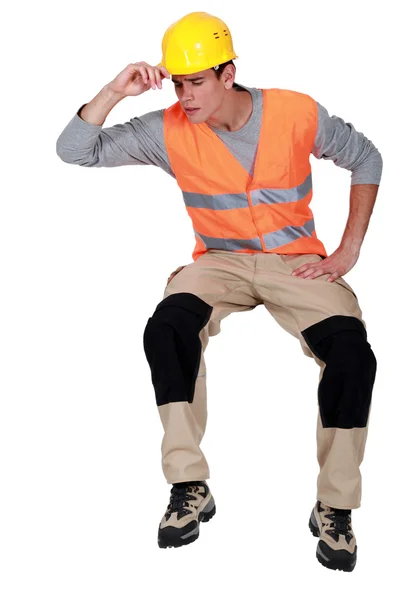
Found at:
(191, 111)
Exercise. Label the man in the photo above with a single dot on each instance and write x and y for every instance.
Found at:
(241, 158)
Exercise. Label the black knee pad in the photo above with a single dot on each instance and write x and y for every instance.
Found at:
(345, 390)
(173, 348)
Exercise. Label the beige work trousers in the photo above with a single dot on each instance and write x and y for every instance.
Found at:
(234, 282)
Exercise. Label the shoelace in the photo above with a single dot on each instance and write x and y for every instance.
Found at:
(340, 522)
(180, 495)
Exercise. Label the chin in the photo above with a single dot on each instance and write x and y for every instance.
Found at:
(196, 119)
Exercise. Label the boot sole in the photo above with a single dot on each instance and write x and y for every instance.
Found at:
(342, 561)
(171, 537)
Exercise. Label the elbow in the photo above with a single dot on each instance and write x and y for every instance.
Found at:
(74, 157)
(61, 153)
(380, 160)
(367, 168)
(66, 155)
(376, 165)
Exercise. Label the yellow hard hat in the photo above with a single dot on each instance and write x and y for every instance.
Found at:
(195, 43)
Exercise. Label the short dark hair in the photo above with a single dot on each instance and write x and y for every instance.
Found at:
(218, 72)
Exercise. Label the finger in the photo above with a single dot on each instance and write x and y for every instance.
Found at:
(316, 273)
(164, 72)
(143, 72)
(301, 269)
(307, 272)
(157, 75)
(173, 274)
(333, 277)
(152, 78)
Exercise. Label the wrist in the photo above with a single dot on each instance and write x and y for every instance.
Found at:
(350, 247)
(97, 110)
(111, 95)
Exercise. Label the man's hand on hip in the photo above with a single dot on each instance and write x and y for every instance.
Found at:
(337, 264)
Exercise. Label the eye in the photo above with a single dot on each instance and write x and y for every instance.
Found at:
(201, 83)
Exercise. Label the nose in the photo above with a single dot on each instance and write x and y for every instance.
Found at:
(187, 95)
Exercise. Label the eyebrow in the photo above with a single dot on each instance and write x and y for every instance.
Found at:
(188, 79)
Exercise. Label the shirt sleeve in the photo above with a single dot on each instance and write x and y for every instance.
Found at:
(348, 148)
(139, 141)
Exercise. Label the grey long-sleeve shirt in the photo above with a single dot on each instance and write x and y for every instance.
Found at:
(140, 141)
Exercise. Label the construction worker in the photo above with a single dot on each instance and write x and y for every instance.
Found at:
(241, 158)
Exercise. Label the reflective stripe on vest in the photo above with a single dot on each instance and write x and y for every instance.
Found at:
(275, 196)
(263, 196)
(272, 240)
(288, 234)
(216, 202)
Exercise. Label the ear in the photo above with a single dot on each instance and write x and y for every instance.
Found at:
(228, 76)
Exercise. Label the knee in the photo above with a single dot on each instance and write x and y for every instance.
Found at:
(340, 339)
(179, 317)
(173, 348)
(350, 366)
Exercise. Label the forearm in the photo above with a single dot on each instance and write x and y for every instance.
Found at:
(97, 110)
(362, 200)
(84, 142)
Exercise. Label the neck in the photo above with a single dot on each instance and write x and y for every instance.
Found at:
(235, 111)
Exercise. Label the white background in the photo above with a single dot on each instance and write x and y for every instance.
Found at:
(85, 255)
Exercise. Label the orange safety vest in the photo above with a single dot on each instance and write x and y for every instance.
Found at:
(231, 210)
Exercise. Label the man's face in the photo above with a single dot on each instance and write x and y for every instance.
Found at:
(201, 91)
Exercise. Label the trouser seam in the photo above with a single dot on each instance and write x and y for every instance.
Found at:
(223, 298)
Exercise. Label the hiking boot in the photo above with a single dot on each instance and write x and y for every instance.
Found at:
(337, 547)
(190, 503)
